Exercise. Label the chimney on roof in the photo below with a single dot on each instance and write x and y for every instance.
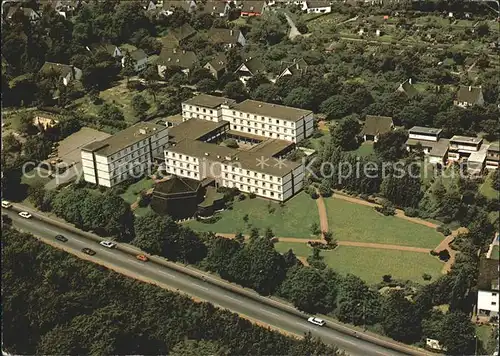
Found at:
(183, 51)
(231, 32)
(297, 65)
(169, 59)
(409, 80)
(206, 153)
(143, 131)
(174, 50)
(177, 60)
(470, 88)
(260, 105)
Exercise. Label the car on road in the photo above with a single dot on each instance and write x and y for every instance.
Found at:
(6, 204)
(25, 214)
(61, 238)
(142, 258)
(107, 244)
(88, 251)
(316, 321)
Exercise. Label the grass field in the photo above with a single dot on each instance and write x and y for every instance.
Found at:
(353, 222)
(133, 190)
(292, 220)
(371, 264)
(495, 253)
(487, 190)
(365, 150)
(484, 334)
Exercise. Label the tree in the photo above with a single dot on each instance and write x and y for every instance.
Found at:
(266, 92)
(483, 30)
(110, 112)
(235, 90)
(403, 189)
(151, 232)
(269, 234)
(315, 228)
(37, 148)
(140, 105)
(231, 143)
(457, 334)
(299, 98)
(413, 115)
(390, 146)
(11, 144)
(207, 85)
(308, 290)
(400, 319)
(128, 69)
(495, 180)
(220, 253)
(336, 107)
(196, 348)
(325, 189)
(36, 194)
(356, 302)
(26, 124)
(344, 134)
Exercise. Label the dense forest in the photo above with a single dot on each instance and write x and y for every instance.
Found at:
(54, 303)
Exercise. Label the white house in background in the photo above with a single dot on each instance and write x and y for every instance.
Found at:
(463, 146)
(493, 156)
(249, 68)
(128, 153)
(317, 6)
(138, 57)
(488, 289)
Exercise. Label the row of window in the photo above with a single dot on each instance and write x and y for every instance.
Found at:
(181, 164)
(249, 173)
(251, 181)
(142, 146)
(263, 126)
(262, 133)
(262, 118)
(182, 157)
(198, 109)
(182, 172)
(245, 188)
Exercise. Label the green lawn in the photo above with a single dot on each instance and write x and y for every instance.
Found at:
(495, 253)
(484, 334)
(371, 264)
(33, 177)
(292, 220)
(487, 190)
(353, 222)
(365, 150)
(133, 190)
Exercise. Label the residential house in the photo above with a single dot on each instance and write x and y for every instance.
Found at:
(109, 48)
(249, 68)
(139, 58)
(375, 126)
(297, 67)
(216, 8)
(252, 8)
(217, 66)
(461, 147)
(488, 288)
(150, 5)
(176, 58)
(429, 140)
(170, 6)
(66, 73)
(408, 88)
(128, 153)
(20, 10)
(469, 96)
(493, 156)
(66, 8)
(317, 6)
(229, 38)
(178, 36)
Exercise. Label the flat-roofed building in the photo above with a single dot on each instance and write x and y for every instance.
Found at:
(425, 133)
(128, 153)
(198, 129)
(204, 106)
(493, 156)
(488, 289)
(462, 146)
(269, 120)
(476, 161)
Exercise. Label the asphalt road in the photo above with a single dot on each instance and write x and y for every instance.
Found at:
(197, 288)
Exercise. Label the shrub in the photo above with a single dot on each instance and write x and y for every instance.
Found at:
(444, 230)
(315, 228)
(426, 277)
(411, 212)
(252, 195)
(386, 209)
(231, 143)
(387, 278)
(328, 236)
(241, 197)
(444, 255)
(314, 195)
(210, 220)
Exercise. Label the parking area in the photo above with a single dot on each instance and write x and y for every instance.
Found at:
(68, 155)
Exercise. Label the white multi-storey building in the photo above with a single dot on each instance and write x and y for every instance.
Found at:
(488, 288)
(129, 153)
(252, 117)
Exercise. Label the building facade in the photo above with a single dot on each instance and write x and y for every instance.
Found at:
(129, 153)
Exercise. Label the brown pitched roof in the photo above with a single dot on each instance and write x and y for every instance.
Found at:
(177, 57)
(213, 7)
(188, 5)
(62, 69)
(219, 62)
(253, 6)
(253, 64)
(488, 274)
(469, 94)
(375, 125)
(183, 32)
(224, 35)
(408, 88)
(138, 54)
(311, 4)
(276, 111)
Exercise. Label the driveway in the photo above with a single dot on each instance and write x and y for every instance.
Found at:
(294, 32)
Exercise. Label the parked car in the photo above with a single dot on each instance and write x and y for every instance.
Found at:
(316, 321)
(61, 238)
(25, 214)
(88, 251)
(6, 204)
(107, 244)
(142, 258)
